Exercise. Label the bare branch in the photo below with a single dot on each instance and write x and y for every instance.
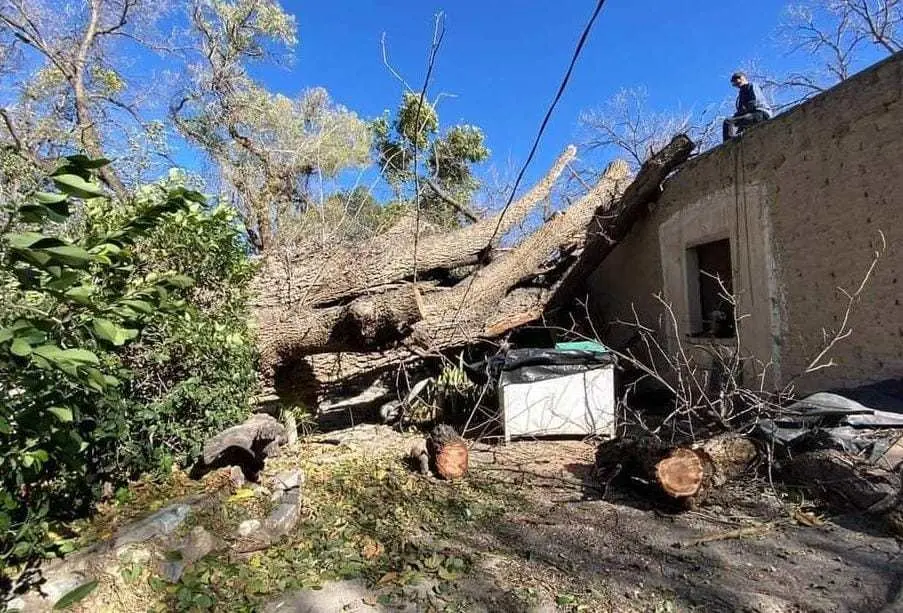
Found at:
(844, 331)
(389, 67)
(463, 210)
(11, 129)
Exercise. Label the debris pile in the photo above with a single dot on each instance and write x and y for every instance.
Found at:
(842, 452)
(342, 319)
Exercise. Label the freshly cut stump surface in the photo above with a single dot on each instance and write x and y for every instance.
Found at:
(681, 473)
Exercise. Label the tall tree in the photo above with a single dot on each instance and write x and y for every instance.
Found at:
(626, 126)
(268, 146)
(838, 38)
(443, 170)
(73, 93)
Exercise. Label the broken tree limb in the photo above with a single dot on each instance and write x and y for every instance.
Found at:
(246, 445)
(389, 257)
(610, 225)
(459, 315)
(847, 483)
(356, 314)
(463, 210)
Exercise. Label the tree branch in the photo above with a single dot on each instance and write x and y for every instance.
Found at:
(449, 200)
(12, 130)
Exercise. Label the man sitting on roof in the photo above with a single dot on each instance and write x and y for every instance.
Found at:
(752, 107)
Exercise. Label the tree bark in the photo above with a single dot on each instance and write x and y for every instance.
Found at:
(459, 315)
(355, 313)
(390, 257)
(87, 129)
(611, 224)
(418, 322)
(847, 483)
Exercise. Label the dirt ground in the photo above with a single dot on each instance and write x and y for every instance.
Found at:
(528, 530)
(646, 560)
(567, 548)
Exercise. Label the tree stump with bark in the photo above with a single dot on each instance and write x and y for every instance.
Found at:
(684, 474)
(448, 452)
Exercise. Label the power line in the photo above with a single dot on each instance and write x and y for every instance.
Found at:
(542, 129)
(438, 35)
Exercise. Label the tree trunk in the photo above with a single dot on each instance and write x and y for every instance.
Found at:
(611, 224)
(355, 313)
(390, 257)
(87, 128)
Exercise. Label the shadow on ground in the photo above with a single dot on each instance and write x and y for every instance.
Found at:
(639, 558)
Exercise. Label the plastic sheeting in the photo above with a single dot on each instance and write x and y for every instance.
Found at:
(532, 365)
(847, 420)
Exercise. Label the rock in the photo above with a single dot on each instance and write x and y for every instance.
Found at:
(60, 585)
(291, 428)
(132, 554)
(286, 514)
(161, 523)
(246, 446)
(196, 544)
(390, 412)
(236, 476)
(419, 456)
(55, 586)
(249, 527)
(335, 597)
(289, 480)
(260, 491)
(282, 519)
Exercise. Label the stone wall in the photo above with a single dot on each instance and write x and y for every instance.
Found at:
(803, 199)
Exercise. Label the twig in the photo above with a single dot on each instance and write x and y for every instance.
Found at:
(756, 530)
(389, 66)
(844, 331)
(438, 34)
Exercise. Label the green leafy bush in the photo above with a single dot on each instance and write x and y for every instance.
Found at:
(192, 375)
(121, 347)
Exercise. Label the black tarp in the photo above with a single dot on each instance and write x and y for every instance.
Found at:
(532, 365)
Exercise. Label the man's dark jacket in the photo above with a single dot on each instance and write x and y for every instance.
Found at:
(751, 99)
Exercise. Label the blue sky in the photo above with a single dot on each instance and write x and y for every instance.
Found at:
(503, 59)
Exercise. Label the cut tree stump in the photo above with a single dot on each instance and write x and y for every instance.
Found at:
(685, 474)
(448, 452)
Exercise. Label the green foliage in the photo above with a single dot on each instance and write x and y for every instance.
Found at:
(344, 216)
(416, 121)
(192, 374)
(268, 145)
(75, 596)
(104, 339)
(447, 159)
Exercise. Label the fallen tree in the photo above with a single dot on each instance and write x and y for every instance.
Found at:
(344, 317)
(686, 474)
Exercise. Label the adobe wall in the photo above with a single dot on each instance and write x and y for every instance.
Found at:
(802, 199)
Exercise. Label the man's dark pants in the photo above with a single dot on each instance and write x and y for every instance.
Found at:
(736, 124)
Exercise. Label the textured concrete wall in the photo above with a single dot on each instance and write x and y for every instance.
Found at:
(802, 199)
